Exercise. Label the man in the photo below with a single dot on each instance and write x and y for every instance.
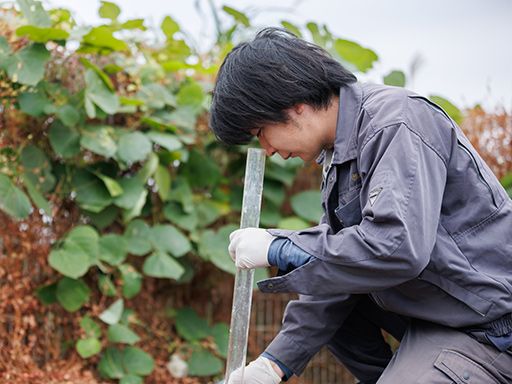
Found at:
(416, 236)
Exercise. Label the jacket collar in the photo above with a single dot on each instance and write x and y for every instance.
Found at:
(345, 143)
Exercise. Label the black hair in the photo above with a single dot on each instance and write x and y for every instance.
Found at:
(260, 79)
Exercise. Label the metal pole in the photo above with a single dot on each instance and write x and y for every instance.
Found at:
(242, 294)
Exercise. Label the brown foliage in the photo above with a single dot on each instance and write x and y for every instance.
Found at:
(491, 135)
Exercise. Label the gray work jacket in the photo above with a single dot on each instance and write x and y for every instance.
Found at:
(412, 216)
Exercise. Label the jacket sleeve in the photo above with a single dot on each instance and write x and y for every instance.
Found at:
(308, 324)
(403, 180)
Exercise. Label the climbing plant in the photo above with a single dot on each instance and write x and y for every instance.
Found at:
(112, 119)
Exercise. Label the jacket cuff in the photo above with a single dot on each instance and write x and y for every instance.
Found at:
(287, 372)
(289, 353)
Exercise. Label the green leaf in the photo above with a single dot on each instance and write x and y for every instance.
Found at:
(5, 49)
(133, 147)
(137, 362)
(34, 12)
(12, 199)
(156, 96)
(37, 196)
(169, 27)
(280, 173)
(214, 247)
(131, 379)
(191, 94)
(318, 37)
(204, 363)
(119, 333)
(102, 38)
(274, 192)
(106, 286)
(109, 10)
(34, 158)
(160, 264)
(5, 53)
(361, 58)
(293, 223)
(506, 182)
(85, 237)
(41, 35)
(88, 347)
(184, 117)
(237, 15)
(292, 28)
(72, 294)
(47, 294)
(174, 213)
(201, 171)
(163, 182)
(71, 261)
(90, 109)
(132, 280)
(307, 205)
(103, 219)
(111, 364)
(61, 16)
(165, 140)
(220, 333)
(133, 189)
(166, 238)
(91, 193)
(68, 114)
(450, 108)
(149, 167)
(395, 78)
(113, 248)
(270, 215)
(28, 65)
(189, 271)
(104, 77)
(65, 141)
(113, 313)
(134, 24)
(90, 327)
(99, 139)
(182, 193)
(33, 103)
(136, 210)
(98, 93)
(209, 211)
(37, 168)
(138, 234)
(112, 185)
(190, 326)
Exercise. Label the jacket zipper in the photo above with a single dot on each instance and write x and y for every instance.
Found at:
(480, 175)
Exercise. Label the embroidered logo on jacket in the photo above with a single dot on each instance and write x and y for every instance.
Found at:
(374, 193)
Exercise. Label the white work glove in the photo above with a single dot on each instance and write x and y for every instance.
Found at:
(248, 247)
(260, 371)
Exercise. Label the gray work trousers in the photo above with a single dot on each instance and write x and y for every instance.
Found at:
(428, 353)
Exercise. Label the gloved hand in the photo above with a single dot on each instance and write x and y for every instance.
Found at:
(259, 371)
(248, 247)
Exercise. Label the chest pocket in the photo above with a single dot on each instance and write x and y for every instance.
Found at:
(349, 214)
(346, 206)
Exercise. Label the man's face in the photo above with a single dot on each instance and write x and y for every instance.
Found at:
(299, 137)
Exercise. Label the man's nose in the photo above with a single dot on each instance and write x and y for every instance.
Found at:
(269, 150)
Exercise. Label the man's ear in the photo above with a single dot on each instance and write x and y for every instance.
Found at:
(299, 108)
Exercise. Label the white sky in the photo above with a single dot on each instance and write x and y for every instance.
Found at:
(465, 45)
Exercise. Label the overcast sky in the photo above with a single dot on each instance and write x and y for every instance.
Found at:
(464, 45)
